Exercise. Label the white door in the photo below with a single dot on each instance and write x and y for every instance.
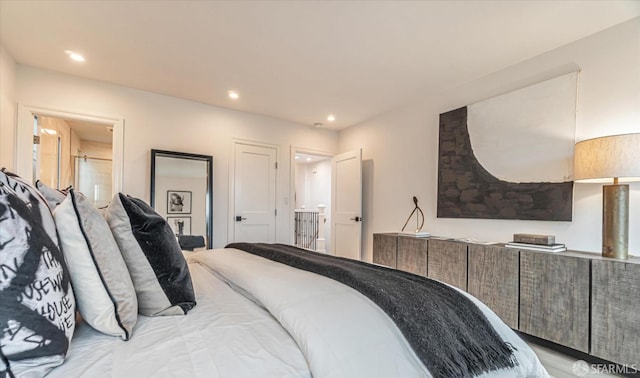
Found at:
(52, 157)
(346, 204)
(47, 157)
(254, 193)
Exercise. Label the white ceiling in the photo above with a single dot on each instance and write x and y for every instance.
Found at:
(297, 60)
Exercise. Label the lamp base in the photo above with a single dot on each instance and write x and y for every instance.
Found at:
(615, 221)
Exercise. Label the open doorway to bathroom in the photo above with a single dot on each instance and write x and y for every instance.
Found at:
(311, 200)
(76, 153)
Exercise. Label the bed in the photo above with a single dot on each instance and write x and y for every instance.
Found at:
(248, 310)
(260, 318)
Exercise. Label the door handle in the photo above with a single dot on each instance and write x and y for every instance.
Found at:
(239, 218)
(357, 219)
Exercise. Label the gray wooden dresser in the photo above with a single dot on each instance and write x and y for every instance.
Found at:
(575, 299)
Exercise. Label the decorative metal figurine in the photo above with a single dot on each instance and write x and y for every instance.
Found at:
(419, 214)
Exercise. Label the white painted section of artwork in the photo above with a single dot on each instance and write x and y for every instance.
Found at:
(527, 135)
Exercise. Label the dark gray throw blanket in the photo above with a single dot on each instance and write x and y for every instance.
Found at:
(447, 331)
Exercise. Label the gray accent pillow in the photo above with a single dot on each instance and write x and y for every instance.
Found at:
(158, 269)
(106, 297)
(54, 197)
(37, 304)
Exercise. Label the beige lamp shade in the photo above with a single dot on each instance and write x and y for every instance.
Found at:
(605, 158)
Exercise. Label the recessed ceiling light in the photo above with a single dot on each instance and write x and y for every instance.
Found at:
(234, 95)
(331, 118)
(308, 159)
(297, 157)
(74, 56)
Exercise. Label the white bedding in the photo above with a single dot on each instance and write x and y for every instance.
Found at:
(277, 321)
(224, 335)
(340, 331)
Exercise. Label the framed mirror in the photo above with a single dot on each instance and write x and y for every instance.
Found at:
(182, 192)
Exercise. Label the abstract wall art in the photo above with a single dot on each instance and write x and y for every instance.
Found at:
(511, 156)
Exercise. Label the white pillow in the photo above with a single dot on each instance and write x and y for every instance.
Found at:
(104, 291)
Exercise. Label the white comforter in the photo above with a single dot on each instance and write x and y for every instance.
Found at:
(259, 318)
(225, 335)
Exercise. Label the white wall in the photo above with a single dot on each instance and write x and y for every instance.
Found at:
(400, 148)
(313, 184)
(319, 183)
(156, 121)
(7, 108)
(300, 185)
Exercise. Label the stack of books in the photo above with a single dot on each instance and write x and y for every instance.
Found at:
(417, 234)
(534, 242)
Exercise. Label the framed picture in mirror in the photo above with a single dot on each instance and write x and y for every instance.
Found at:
(178, 202)
(180, 225)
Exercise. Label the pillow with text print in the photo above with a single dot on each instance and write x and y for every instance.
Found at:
(37, 314)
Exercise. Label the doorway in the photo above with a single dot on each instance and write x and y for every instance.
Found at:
(311, 200)
(27, 161)
(76, 153)
(335, 181)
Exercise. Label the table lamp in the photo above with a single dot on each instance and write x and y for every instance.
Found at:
(611, 159)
